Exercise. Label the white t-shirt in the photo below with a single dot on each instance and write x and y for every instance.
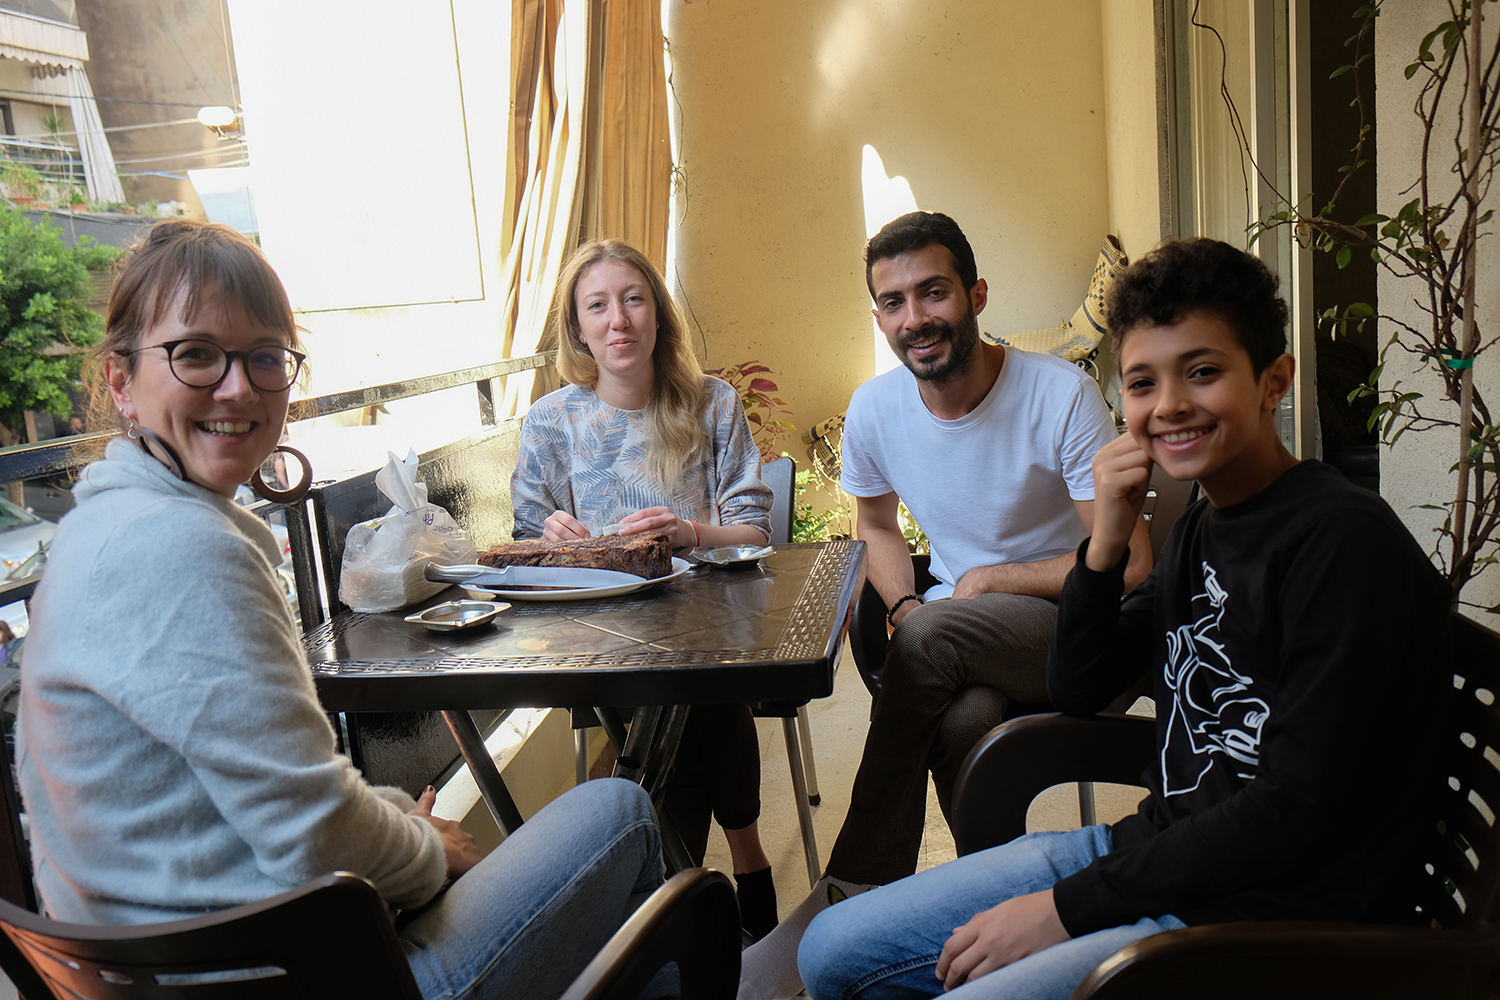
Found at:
(996, 485)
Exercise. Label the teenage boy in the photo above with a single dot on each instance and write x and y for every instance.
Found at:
(1288, 618)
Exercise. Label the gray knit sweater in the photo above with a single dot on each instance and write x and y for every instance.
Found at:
(175, 759)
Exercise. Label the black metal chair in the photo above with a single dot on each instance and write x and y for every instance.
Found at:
(332, 938)
(781, 476)
(1460, 889)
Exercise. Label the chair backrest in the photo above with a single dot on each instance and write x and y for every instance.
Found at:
(781, 476)
(470, 479)
(330, 938)
(15, 854)
(693, 920)
(1165, 503)
(1461, 858)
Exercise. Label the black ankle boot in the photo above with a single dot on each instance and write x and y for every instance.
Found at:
(757, 894)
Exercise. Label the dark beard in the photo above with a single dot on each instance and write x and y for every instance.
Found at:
(962, 340)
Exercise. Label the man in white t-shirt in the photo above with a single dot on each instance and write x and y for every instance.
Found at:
(990, 449)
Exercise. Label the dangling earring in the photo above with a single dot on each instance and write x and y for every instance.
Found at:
(130, 429)
(293, 495)
(157, 449)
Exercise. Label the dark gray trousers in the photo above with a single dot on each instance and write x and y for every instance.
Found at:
(952, 668)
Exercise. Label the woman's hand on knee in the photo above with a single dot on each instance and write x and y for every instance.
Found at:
(999, 936)
(561, 526)
(459, 847)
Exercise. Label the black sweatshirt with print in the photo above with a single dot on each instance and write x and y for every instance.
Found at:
(1300, 648)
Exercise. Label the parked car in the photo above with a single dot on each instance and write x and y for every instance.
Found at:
(24, 540)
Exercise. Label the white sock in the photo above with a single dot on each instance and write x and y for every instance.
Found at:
(768, 968)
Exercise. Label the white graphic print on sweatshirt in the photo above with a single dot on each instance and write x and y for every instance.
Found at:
(1215, 715)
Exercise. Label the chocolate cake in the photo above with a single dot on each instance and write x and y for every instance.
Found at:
(647, 556)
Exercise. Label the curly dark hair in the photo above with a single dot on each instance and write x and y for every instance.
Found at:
(1185, 276)
(916, 230)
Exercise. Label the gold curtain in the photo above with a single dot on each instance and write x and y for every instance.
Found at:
(590, 155)
(628, 165)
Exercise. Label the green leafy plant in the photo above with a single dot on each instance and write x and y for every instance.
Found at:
(1429, 243)
(45, 325)
(763, 408)
(916, 538)
(19, 180)
(809, 525)
(52, 124)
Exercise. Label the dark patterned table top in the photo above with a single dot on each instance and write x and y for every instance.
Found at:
(771, 633)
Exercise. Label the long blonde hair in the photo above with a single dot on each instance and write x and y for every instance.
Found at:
(674, 422)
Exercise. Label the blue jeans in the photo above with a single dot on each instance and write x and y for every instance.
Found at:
(885, 943)
(526, 920)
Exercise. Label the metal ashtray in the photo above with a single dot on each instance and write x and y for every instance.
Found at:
(734, 556)
(453, 615)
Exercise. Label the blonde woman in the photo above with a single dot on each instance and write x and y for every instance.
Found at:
(642, 438)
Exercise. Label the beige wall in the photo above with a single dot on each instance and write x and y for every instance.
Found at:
(1416, 470)
(1130, 123)
(993, 110)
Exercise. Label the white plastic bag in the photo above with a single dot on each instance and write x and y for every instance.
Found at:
(384, 559)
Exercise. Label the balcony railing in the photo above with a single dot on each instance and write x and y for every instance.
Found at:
(54, 162)
(62, 11)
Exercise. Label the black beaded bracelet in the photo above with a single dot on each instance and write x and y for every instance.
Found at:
(890, 616)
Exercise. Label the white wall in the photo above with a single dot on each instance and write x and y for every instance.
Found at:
(1416, 470)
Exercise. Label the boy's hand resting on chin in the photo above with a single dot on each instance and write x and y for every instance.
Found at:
(1122, 473)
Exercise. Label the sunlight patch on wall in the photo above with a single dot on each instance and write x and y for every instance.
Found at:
(885, 198)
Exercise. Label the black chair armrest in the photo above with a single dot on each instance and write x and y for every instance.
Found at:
(867, 633)
(868, 638)
(693, 920)
(1021, 758)
(1291, 960)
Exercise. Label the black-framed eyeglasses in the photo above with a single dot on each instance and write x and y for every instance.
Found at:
(202, 364)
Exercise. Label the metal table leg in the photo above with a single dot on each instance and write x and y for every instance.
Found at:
(804, 729)
(486, 774)
(580, 756)
(804, 809)
(632, 760)
(650, 749)
(614, 728)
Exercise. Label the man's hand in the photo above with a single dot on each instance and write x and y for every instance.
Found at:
(1122, 474)
(561, 526)
(979, 580)
(1033, 579)
(459, 848)
(997, 937)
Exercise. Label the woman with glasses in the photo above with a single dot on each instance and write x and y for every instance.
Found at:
(173, 757)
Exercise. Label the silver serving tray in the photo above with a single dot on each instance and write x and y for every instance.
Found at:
(451, 616)
(737, 556)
